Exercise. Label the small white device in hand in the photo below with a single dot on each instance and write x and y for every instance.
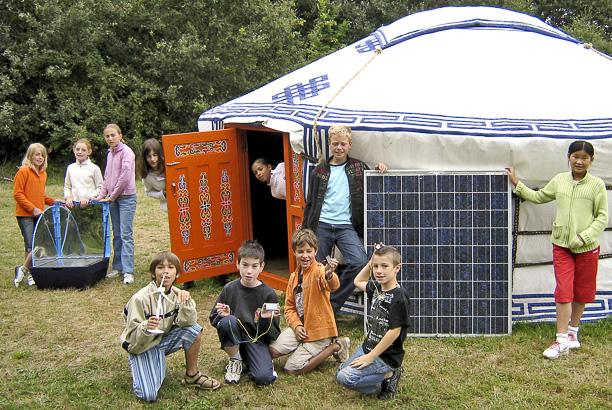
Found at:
(272, 306)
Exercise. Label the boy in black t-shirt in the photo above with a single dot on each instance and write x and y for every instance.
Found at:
(244, 326)
(377, 362)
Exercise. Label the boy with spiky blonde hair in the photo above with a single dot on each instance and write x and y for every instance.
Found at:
(334, 208)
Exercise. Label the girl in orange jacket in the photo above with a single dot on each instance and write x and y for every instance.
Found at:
(29, 192)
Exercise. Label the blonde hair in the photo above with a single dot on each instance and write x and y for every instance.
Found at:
(115, 126)
(82, 141)
(27, 159)
(339, 131)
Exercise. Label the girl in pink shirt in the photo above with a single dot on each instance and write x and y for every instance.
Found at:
(119, 188)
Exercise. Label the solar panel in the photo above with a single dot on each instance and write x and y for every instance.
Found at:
(453, 232)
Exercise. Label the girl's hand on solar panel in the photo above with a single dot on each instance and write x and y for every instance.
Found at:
(512, 175)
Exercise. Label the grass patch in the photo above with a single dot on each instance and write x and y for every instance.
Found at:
(60, 349)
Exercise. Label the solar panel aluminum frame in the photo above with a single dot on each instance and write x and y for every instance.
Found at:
(389, 215)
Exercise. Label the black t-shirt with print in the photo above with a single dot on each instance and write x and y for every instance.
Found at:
(388, 310)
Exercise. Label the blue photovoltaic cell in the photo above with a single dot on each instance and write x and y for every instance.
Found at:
(452, 230)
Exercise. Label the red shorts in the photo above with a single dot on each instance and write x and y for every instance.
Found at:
(576, 275)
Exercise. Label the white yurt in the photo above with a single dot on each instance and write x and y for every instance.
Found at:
(458, 89)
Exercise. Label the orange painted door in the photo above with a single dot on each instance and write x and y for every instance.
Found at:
(208, 205)
(295, 195)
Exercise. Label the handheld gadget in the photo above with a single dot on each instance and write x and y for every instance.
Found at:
(272, 306)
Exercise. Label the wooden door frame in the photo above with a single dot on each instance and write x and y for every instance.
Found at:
(296, 201)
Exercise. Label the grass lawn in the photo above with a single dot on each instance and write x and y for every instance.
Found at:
(60, 349)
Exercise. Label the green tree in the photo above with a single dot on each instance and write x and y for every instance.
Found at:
(68, 67)
(328, 34)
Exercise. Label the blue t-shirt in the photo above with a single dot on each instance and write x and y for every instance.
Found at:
(336, 207)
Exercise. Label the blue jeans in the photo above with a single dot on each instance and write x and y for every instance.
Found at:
(366, 380)
(26, 225)
(255, 355)
(122, 215)
(347, 240)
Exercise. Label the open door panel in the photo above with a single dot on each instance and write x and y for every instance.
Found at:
(208, 205)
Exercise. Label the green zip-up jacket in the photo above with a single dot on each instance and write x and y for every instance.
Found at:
(582, 209)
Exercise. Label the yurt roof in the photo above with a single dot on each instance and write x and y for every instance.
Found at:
(450, 88)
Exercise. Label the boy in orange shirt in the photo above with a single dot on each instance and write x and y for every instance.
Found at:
(308, 311)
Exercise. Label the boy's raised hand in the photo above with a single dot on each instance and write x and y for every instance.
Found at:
(222, 309)
(331, 266)
(183, 295)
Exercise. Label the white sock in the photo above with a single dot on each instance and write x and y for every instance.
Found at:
(572, 329)
(236, 356)
(562, 339)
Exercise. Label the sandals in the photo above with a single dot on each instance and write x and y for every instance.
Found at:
(196, 381)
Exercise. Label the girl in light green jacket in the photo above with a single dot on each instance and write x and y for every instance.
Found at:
(582, 215)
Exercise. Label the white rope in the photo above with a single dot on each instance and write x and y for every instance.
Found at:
(590, 47)
(315, 134)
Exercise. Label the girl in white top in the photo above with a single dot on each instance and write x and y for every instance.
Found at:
(151, 169)
(83, 178)
(275, 178)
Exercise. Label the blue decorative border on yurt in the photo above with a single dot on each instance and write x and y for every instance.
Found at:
(305, 114)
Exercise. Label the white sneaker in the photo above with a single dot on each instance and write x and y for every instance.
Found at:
(556, 350)
(128, 278)
(113, 274)
(30, 280)
(233, 371)
(342, 355)
(572, 340)
(20, 272)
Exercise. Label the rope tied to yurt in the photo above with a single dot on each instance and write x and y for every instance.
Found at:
(316, 136)
(589, 46)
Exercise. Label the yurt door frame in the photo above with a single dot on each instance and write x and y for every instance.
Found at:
(209, 207)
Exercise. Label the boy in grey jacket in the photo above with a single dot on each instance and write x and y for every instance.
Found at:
(161, 319)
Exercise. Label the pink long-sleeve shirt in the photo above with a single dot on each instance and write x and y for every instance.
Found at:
(119, 175)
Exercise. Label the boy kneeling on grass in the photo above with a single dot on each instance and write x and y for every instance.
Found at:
(244, 324)
(377, 362)
(308, 310)
(159, 324)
